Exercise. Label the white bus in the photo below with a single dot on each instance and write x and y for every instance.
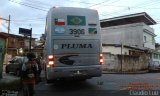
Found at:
(73, 44)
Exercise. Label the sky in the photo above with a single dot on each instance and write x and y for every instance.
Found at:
(32, 13)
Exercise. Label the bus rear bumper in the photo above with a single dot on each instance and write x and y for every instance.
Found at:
(77, 72)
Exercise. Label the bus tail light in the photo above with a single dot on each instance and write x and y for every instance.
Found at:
(101, 59)
(50, 61)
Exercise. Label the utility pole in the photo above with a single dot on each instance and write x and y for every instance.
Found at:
(30, 41)
(8, 33)
(121, 56)
(9, 24)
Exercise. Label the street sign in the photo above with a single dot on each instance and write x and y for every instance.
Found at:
(24, 31)
(27, 32)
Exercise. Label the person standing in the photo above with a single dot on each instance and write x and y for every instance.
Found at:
(38, 61)
(29, 73)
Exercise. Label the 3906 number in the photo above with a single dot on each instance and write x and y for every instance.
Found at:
(77, 31)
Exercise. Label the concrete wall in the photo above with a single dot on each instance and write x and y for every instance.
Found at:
(129, 63)
(115, 50)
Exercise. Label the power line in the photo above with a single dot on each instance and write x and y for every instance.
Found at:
(28, 20)
(108, 3)
(5, 26)
(129, 8)
(115, 5)
(99, 3)
(38, 2)
(35, 5)
(119, 11)
(80, 2)
(28, 5)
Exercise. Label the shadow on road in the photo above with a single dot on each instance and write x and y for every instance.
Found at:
(68, 86)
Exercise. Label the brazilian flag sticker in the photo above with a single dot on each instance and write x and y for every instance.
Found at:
(76, 20)
(92, 30)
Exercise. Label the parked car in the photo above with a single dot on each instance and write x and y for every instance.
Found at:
(154, 66)
(15, 65)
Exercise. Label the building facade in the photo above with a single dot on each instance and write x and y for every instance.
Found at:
(132, 31)
(16, 42)
(137, 35)
(15, 45)
(154, 63)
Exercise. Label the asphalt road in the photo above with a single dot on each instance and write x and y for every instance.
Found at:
(106, 85)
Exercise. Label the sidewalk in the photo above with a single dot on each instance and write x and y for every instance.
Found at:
(10, 82)
(8, 78)
(9, 85)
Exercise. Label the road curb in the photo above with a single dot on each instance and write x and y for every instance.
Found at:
(137, 72)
